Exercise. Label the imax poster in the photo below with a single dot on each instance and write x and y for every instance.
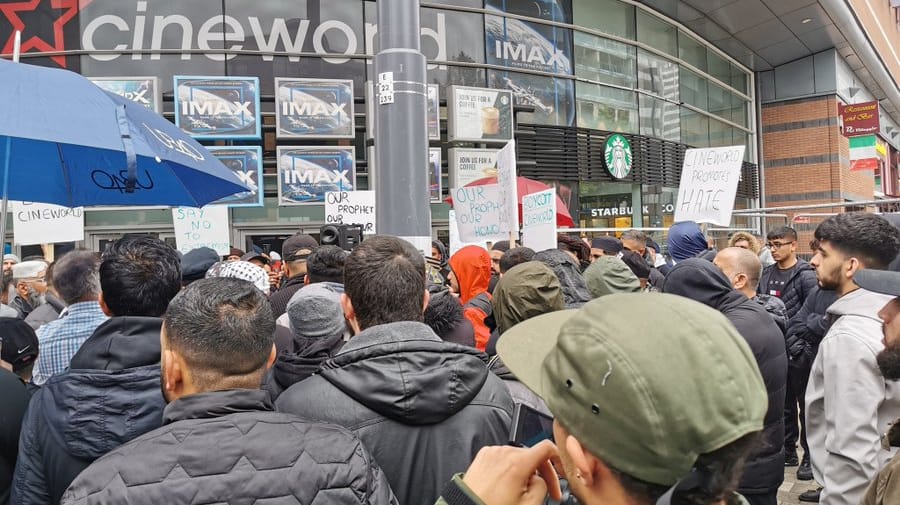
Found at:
(314, 108)
(519, 44)
(553, 98)
(245, 162)
(218, 107)
(434, 174)
(142, 90)
(305, 174)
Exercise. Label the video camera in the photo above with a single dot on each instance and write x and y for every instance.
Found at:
(345, 236)
(530, 427)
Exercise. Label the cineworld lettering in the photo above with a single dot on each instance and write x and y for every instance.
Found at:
(118, 181)
(25, 216)
(223, 28)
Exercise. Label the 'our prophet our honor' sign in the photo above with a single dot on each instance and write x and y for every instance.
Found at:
(306, 174)
(218, 107)
(314, 108)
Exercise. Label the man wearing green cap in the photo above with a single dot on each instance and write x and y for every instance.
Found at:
(646, 411)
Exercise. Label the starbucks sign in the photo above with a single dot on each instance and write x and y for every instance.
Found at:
(618, 156)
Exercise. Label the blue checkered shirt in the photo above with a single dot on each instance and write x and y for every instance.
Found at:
(59, 340)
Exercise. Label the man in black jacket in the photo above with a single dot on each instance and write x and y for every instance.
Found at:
(220, 441)
(294, 253)
(14, 401)
(792, 280)
(422, 407)
(110, 394)
(702, 281)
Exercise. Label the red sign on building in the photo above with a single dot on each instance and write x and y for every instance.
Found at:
(859, 118)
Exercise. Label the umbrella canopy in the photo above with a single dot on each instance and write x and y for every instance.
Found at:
(526, 186)
(66, 141)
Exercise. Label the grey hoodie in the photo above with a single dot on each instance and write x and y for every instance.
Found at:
(848, 402)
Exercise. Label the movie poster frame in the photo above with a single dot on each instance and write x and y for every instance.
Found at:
(257, 135)
(157, 91)
(281, 149)
(278, 116)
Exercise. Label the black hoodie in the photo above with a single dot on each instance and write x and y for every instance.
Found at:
(422, 407)
(702, 281)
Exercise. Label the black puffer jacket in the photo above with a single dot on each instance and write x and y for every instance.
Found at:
(702, 281)
(798, 287)
(13, 402)
(228, 447)
(808, 327)
(422, 407)
(109, 395)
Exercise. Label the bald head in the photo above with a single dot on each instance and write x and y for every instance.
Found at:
(742, 268)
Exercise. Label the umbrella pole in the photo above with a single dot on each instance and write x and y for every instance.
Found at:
(17, 44)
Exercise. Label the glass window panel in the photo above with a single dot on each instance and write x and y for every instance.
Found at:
(694, 128)
(719, 67)
(693, 89)
(739, 79)
(740, 137)
(738, 110)
(720, 101)
(659, 118)
(720, 134)
(608, 16)
(604, 60)
(656, 33)
(605, 108)
(657, 75)
(692, 51)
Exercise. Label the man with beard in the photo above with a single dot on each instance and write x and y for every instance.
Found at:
(848, 403)
(885, 488)
(29, 278)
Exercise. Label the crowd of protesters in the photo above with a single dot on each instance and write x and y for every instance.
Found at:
(674, 375)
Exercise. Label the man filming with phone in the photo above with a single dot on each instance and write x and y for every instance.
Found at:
(646, 412)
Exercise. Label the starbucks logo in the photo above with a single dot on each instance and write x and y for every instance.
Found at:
(618, 156)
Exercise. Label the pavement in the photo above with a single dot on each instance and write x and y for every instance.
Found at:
(789, 492)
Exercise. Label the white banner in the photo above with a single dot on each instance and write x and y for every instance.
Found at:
(506, 179)
(351, 207)
(203, 227)
(708, 186)
(45, 223)
(539, 220)
(478, 213)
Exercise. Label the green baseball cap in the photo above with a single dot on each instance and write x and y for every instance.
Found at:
(645, 381)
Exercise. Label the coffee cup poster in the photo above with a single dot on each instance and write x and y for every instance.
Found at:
(218, 108)
(479, 115)
(305, 174)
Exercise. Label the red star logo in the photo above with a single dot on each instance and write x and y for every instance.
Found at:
(69, 9)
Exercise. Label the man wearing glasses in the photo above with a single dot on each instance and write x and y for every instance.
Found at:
(791, 279)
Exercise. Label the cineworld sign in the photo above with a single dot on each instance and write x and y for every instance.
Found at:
(156, 31)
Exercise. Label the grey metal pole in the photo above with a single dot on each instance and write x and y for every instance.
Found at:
(401, 135)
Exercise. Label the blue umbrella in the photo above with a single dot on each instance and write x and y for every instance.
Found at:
(64, 140)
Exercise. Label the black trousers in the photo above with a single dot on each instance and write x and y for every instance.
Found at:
(795, 407)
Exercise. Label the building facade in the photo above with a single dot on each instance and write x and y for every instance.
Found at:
(665, 75)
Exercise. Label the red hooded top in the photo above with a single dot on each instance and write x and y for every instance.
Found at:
(471, 266)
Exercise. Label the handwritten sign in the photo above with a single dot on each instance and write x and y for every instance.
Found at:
(539, 220)
(203, 227)
(506, 180)
(351, 207)
(708, 186)
(478, 213)
(44, 223)
(455, 242)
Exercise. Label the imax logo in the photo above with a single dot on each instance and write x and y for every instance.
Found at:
(312, 109)
(268, 38)
(536, 55)
(338, 177)
(215, 107)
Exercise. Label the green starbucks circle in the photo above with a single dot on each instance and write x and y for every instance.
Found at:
(618, 156)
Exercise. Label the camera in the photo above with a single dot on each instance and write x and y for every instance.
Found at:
(529, 427)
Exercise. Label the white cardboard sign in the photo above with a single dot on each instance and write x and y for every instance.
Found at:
(539, 220)
(45, 223)
(478, 213)
(351, 207)
(708, 186)
(202, 227)
(506, 179)
(455, 243)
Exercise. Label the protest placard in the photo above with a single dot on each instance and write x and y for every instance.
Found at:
(44, 223)
(539, 220)
(202, 227)
(478, 213)
(708, 186)
(351, 207)
(455, 242)
(506, 180)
